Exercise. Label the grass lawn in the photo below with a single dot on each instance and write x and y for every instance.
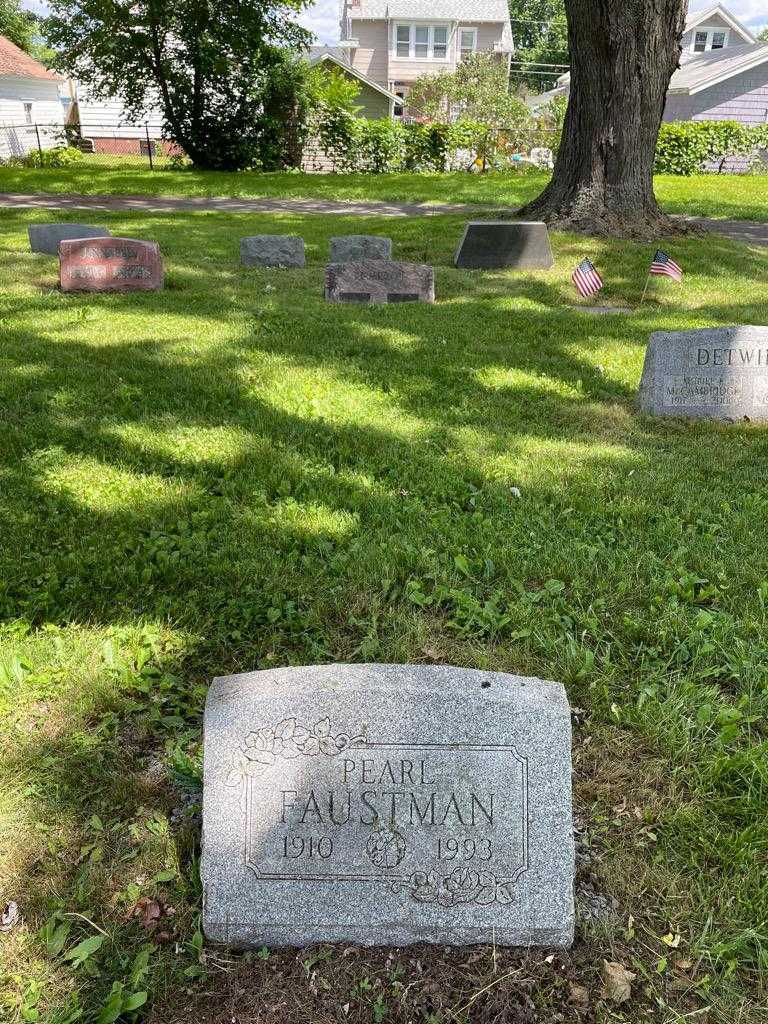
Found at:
(737, 196)
(232, 474)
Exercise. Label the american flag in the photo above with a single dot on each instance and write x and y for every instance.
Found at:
(664, 265)
(586, 278)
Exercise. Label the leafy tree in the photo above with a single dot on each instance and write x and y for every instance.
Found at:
(541, 35)
(622, 58)
(478, 89)
(17, 25)
(210, 65)
(762, 35)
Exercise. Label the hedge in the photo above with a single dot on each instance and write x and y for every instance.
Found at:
(684, 147)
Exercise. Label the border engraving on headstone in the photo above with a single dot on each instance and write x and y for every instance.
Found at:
(718, 373)
(505, 244)
(387, 804)
(381, 281)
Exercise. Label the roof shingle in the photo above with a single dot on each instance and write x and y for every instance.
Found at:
(14, 61)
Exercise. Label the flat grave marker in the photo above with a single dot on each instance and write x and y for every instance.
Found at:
(273, 251)
(379, 281)
(716, 373)
(45, 238)
(110, 265)
(505, 244)
(386, 805)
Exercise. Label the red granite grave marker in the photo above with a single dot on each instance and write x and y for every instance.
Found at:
(109, 265)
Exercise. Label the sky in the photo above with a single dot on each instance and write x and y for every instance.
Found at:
(322, 17)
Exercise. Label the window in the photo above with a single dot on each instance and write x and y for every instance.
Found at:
(467, 42)
(400, 107)
(403, 40)
(28, 113)
(421, 42)
(705, 39)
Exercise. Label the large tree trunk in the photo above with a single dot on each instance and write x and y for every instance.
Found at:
(623, 54)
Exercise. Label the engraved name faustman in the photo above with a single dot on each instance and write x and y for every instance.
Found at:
(387, 805)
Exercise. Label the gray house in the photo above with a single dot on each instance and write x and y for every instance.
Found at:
(723, 73)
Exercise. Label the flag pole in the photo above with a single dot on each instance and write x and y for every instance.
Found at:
(642, 297)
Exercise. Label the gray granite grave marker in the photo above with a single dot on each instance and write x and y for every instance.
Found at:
(379, 281)
(386, 804)
(349, 248)
(718, 373)
(496, 245)
(46, 237)
(272, 251)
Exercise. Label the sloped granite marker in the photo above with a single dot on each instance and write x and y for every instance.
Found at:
(379, 281)
(110, 265)
(349, 248)
(272, 251)
(717, 373)
(46, 237)
(386, 805)
(505, 244)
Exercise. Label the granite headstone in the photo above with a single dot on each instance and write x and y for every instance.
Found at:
(272, 251)
(348, 248)
(110, 265)
(717, 373)
(504, 244)
(46, 237)
(387, 805)
(379, 281)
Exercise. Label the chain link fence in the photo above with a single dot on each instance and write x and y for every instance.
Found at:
(103, 145)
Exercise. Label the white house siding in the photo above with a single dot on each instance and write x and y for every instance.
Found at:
(16, 136)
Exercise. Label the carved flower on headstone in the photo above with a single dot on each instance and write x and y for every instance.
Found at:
(290, 738)
(385, 849)
(463, 885)
(259, 746)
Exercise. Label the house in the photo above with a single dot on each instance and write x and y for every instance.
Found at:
(374, 100)
(106, 128)
(723, 73)
(32, 108)
(394, 43)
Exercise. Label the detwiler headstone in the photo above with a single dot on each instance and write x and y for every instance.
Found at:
(272, 251)
(347, 248)
(387, 805)
(379, 281)
(46, 237)
(110, 265)
(718, 373)
(505, 244)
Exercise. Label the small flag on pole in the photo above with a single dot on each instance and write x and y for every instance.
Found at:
(665, 266)
(586, 278)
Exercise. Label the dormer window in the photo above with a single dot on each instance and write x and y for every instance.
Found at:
(421, 41)
(705, 39)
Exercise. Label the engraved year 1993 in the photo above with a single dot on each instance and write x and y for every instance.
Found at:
(464, 849)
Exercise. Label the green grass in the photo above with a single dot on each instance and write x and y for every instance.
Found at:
(742, 197)
(232, 474)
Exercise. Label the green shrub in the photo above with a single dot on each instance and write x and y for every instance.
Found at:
(685, 146)
(59, 156)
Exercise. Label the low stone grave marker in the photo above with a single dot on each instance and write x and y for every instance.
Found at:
(110, 265)
(718, 373)
(46, 237)
(379, 281)
(350, 248)
(272, 251)
(504, 244)
(385, 805)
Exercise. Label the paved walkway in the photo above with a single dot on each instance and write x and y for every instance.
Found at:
(747, 231)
